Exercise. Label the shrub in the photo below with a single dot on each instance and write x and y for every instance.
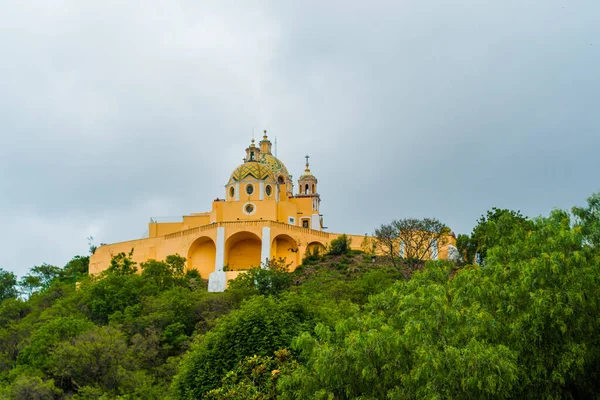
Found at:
(340, 245)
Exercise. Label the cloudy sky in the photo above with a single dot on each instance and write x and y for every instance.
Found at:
(115, 111)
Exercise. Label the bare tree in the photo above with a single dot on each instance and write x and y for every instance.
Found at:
(421, 237)
(418, 239)
(386, 242)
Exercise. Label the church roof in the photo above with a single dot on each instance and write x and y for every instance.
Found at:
(276, 166)
(265, 167)
(255, 169)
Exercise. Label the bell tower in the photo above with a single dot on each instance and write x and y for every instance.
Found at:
(307, 182)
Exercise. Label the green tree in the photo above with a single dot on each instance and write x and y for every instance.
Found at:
(261, 326)
(467, 248)
(164, 273)
(122, 264)
(270, 279)
(588, 219)
(340, 245)
(49, 335)
(94, 358)
(8, 283)
(520, 327)
(33, 388)
(30, 284)
(497, 228)
(76, 268)
(255, 378)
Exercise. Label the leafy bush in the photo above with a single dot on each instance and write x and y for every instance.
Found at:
(261, 326)
(270, 279)
(340, 245)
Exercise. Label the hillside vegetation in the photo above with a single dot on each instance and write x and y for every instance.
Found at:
(523, 323)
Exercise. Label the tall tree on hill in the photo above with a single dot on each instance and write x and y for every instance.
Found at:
(497, 228)
(417, 239)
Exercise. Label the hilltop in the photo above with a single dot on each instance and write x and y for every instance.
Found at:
(343, 325)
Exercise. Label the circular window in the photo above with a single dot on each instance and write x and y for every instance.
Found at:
(231, 191)
(249, 189)
(268, 190)
(249, 209)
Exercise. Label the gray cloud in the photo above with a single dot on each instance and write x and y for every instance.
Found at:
(112, 112)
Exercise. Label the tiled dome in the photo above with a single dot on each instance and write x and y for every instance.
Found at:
(257, 170)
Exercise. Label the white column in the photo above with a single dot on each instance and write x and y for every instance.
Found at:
(434, 249)
(315, 222)
(261, 189)
(217, 281)
(265, 250)
(220, 257)
(237, 191)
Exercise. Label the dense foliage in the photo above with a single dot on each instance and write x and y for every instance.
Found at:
(521, 324)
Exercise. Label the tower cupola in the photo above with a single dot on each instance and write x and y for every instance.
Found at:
(265, 144)
(307, 182)
(252, 153)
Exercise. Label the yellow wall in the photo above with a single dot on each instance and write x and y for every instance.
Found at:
(243, 255)
(201, 256)
(284, 246)
(164, 228)
(192, 221)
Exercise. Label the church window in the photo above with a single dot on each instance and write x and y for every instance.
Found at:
(249, 189)
(280, 180)
(251, 156)
(313, 188)
(306, 189)
(268, 190)
(305, 223)
(249, 209)
(231, 191)
(292, 220)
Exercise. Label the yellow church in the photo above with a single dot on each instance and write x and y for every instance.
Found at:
(261, 217)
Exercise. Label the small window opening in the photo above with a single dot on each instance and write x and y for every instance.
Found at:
(231, 191)
(280, 180)
(305, 223)
(268, 190)
(251, 156)
(249, 189)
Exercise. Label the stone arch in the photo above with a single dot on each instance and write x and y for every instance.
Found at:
(285, 246)
(201, 256)
(242, 251)
(312, 246)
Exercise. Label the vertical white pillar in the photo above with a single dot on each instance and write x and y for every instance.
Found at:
(315, 222)
(237, 191)
(217, 281)
(261, 190)
(434, 249)
(220, 256)
(265, 250)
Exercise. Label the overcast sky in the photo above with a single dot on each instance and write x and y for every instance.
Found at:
(115, 111)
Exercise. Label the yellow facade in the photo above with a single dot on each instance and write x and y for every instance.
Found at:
(259, 218)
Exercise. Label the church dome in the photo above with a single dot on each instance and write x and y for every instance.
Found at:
(275, 165)
(256, 170)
